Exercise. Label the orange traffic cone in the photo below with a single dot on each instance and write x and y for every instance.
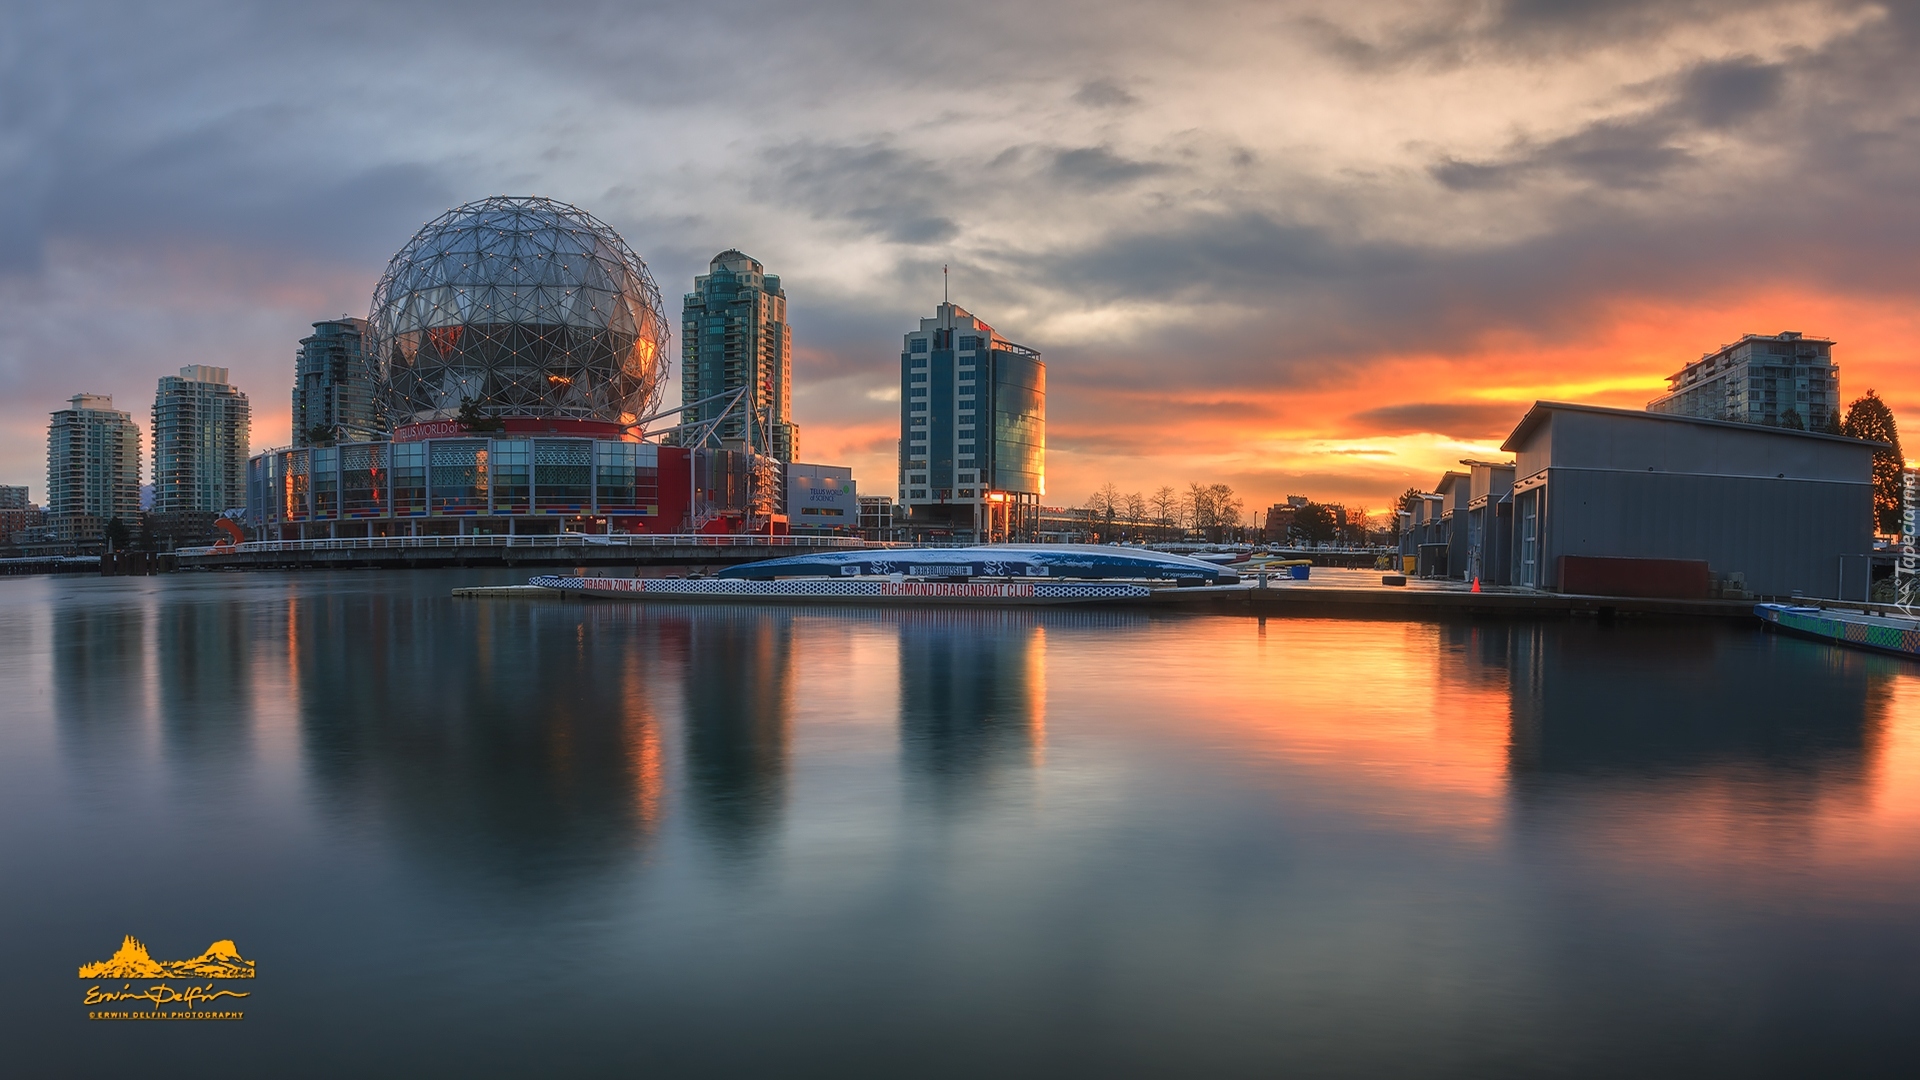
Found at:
(1476, 584)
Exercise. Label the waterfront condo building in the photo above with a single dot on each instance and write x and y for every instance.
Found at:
(201, 428)
(973, 431)
(734, 336)
(13, 497)
(93, 468)
(1779, 380)
(335, 387)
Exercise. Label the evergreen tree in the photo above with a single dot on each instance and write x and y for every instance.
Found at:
(1869, 418)
(473, 418)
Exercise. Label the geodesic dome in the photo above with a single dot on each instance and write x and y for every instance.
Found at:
(526, 306)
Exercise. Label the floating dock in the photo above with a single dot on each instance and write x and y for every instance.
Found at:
(1330, 594)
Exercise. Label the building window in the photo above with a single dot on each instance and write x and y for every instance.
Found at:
(1529, 538)
(918, 377)
(917, 493)
(966, 493)
(920, 345)
(969, 343)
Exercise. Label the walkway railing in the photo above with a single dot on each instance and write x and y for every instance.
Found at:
(563, 540)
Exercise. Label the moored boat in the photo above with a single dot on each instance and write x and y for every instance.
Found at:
(1881, 632)
(856, 590)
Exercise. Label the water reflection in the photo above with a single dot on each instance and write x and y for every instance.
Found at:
(99, 676)
(203, 659)
(972, 696)
(739, 707)
(513, 741)
(1655, 699)
(1339, 847)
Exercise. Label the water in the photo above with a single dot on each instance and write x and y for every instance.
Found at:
(466, 837)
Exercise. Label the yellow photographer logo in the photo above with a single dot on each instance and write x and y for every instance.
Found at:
(132, 963)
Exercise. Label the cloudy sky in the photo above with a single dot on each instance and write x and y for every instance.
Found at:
(1310, 248)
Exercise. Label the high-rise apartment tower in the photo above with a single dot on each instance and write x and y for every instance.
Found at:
(201, 429)
(1780, 380)
(973, 430)
(734, 334)
(335, 387)
(93, 468)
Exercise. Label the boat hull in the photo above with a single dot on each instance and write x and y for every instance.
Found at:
(1900, 637)
(881, 591)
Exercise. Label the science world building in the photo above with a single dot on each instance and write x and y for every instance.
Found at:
(519, 347)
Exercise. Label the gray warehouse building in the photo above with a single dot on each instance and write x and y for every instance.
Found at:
(1792, 511)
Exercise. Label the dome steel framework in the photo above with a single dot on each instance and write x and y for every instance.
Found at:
(523, 306)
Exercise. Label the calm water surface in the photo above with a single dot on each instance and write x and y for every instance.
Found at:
(476, 838)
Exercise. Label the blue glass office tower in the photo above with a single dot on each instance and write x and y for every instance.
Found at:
(973, 430)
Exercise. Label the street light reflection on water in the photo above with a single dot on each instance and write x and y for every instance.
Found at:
(725, 839)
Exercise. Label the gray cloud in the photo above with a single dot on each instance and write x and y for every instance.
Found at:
(1638, 152)
(1719, 95)
(881, 189)
(1103, 94)
(1454, 33)
(1459, 420)
(209, 178)
(1098, 166)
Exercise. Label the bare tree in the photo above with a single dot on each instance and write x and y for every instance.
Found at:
(1166, 504)
(1105, 502)
(1136, 507)
(1357, 525)
(1196, 506)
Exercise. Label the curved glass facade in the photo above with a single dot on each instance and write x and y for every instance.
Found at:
(1019, 422)
(506, 484)
(525, 307)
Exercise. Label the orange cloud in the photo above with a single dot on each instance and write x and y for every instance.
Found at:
(1400, 420)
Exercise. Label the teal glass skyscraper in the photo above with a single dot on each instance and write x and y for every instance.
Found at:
(201, 428)
(973, 430)
(734, 335)
(335, 386)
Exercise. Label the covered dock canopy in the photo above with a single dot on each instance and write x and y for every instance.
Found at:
(1000, 560)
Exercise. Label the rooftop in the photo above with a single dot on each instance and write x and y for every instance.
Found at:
(1538, 414)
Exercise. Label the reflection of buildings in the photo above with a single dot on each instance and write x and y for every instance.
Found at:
(204, 663)
(739, 705)
(972, 693)
(1596, 699)
(99, 674)
(507, 742)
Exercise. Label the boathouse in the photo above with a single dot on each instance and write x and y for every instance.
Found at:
(1786, 511)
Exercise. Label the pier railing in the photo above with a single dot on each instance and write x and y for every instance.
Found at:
(563, 540)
